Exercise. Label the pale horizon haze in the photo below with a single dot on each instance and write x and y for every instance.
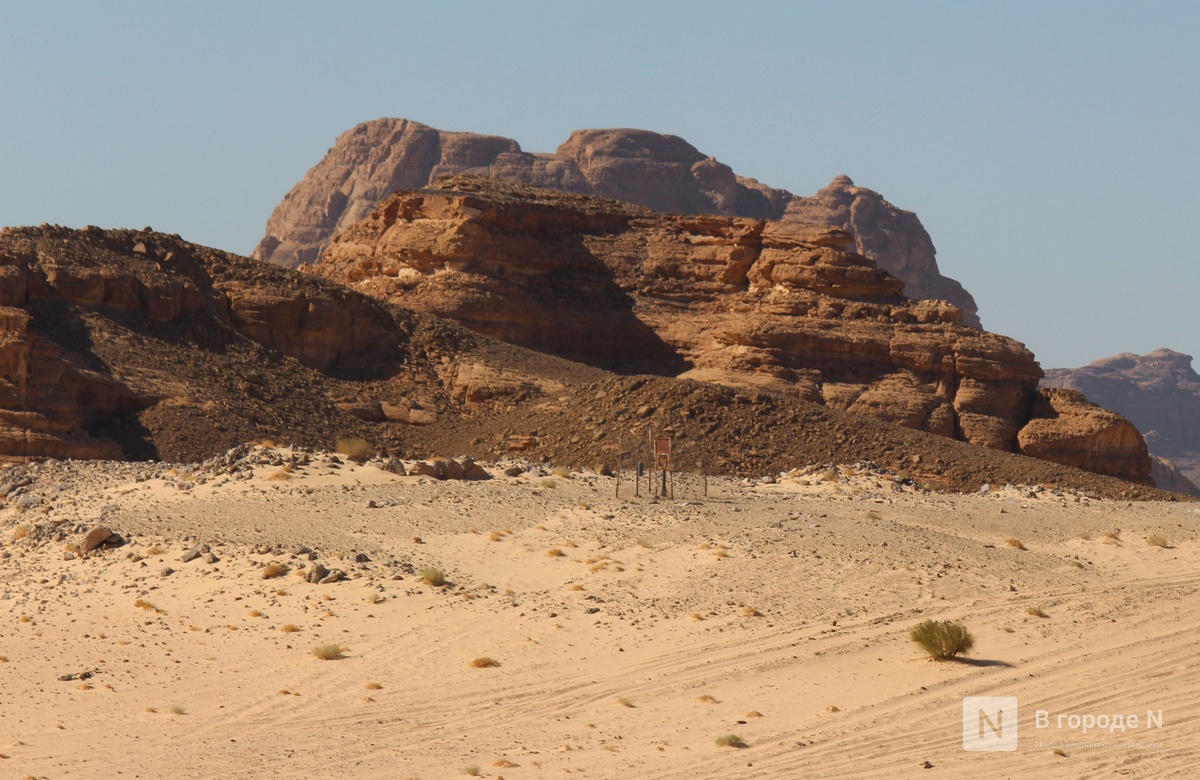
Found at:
(1049, 148)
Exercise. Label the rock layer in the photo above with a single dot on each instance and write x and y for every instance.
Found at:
(662, 172)
(780, 304)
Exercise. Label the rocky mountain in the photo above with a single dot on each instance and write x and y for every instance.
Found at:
(140, 345)
(778, 304)
(1159, 392)
(661, 172)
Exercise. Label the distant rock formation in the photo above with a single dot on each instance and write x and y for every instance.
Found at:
(661, 172)
(1159, 392)
(733, 300)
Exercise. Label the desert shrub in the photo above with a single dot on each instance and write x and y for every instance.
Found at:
(484, 663)
(549, 483)
(731, 740)
(355, 448)
(1015, 543)
(289, 628)
(1036, 612)
(272, 570)
(328, 652)
(434, 577)
(942, 639)
(751, 612)
(1157, 540)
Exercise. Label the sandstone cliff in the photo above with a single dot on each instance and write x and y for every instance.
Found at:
(1159, 392)
(136, 344)
(662, 172)
(779, 304)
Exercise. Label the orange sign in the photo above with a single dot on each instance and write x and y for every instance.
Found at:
(662, 446)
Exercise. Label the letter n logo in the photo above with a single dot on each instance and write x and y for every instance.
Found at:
(990, 723)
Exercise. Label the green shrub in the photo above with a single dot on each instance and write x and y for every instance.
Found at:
(942, 639)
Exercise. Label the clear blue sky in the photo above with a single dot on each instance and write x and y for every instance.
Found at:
(1049, 148)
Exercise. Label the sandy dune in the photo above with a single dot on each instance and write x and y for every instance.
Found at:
(624, 628)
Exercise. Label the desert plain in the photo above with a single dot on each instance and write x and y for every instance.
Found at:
(580, 630)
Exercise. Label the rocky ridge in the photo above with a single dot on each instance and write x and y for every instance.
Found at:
(658, 171)
(140, 345)
(784, 305)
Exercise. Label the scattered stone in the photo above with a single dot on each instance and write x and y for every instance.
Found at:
(95, 537)
(317, 573)
(393, 466)
(333, 576)
(514, 471)
(167, 571)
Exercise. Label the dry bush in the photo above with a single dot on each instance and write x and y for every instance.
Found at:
(561, 471)
(1015, 543)
(873, 515)
(289, 628)
(281, 592)
(434, 577)
(484, 663)
(281, 475)
(177, 710)
(1111, 538)
(707, 699)
(833, 708)
(504, 763)
(577, 586)
(549, 483)
(555, 553)
(373, 686)
(624, 702)
(495, 536)
(1085, 536)
(754, 714)
(328, 652)
(273, 570)
(20, 532)
(1060, 753)
(942, 639)
(256, 613)
(355, 448)
(751, 612)
(1036, 612)
(1158, 540)
(149, 607)
(731, 740)
(155, 550)
(472, 771)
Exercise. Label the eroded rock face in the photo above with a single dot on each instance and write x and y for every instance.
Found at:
(661, 172)
(1067, 428)
(1159, 392)
(734, 300)
(56, 391)
(892, 237)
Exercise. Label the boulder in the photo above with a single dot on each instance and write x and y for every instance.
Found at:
(95, 538)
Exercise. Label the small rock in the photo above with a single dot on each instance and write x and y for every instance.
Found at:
(393, 466)
(362, 558)
(371, 504)
(423, 469)
(190, 555)
(332, 576)
(317, 573)
(95, 537)
(69, 556)
(211, 558)
(166, 572)
(473, 471)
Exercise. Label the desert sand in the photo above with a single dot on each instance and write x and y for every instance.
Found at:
(628, 633)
